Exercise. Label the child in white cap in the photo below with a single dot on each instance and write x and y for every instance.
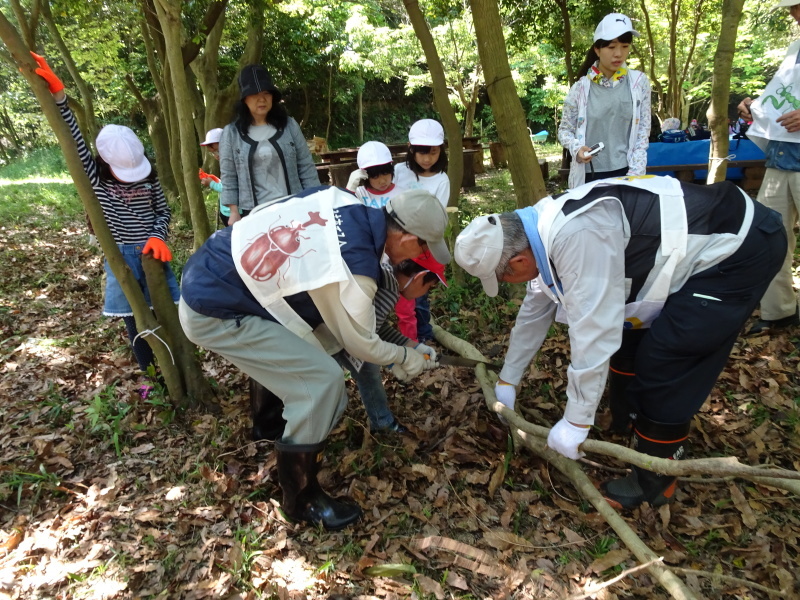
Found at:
(610, 103)
(425, 168)
(373, 182)
(211, 144)
(426, 162)
(134, 207)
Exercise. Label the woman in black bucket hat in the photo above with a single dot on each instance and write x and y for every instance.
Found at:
(263, 154)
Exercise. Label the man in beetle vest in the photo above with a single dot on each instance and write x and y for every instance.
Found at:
(683, 264)
(280, 291)
(776, 130)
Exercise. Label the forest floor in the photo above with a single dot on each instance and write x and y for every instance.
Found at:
(104, 495)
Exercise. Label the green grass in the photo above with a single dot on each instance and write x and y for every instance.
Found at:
(40, 162)
(25, 201)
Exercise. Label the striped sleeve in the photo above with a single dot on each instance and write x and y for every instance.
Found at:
(83, 152)
(134, 211)
(385, 298)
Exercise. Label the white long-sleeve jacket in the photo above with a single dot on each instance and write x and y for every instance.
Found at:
(590, 249)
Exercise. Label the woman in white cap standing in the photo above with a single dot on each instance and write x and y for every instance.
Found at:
(609, 104)
(263, 154)
(134, 207)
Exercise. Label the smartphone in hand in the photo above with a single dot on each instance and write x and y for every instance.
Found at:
(596, 149)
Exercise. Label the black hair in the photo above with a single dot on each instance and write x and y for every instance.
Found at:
(591, 55)
(440, 166)
(409, 268)
(377, 171)
(277, 116)
(105, 174)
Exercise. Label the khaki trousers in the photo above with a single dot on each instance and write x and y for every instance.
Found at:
(310, 383)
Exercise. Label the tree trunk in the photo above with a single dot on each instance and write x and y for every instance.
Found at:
(330, 103)
(91, 127)
(452, 130)
(509, 116)
(720, 89)
(169, 15)
(469, 115)
(145, 319)
(360, 107)
(183, 368)
(567, 41)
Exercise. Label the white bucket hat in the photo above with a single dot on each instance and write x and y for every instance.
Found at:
(124, 153)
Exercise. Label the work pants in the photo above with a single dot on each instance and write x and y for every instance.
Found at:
(688, 344)
(310, 383)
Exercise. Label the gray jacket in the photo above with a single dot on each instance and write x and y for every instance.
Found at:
(236, 162)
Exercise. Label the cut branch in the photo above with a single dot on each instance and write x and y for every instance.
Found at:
(728, 466)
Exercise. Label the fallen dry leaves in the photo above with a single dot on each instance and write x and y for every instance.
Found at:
(188, 508)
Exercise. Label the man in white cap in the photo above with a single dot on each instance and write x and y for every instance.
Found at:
(685, 264)
(776, 130)
(279, 292)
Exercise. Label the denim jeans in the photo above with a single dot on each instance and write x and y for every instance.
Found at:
(423, 312)
(373, 394)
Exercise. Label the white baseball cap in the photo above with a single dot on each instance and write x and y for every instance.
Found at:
(787, 3)
(372, 154)
(612, 26)
(479, 248)
(426, 132)
(212, 136)
(124, 153)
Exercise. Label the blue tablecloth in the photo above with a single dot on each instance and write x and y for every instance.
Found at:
(695, 153)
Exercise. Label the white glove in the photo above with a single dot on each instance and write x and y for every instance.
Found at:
(355, 179)
(507, 394)
(413, 363)
(400, 374)
(565, 438)
(426, 350)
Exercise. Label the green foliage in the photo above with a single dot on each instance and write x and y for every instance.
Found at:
(13, 483)
(106, 414)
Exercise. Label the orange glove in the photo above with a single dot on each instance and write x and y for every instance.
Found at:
(204, 175)
(158, 248)
(45, 72)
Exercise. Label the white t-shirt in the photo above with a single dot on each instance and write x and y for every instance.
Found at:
(375, 199)
(438, 185)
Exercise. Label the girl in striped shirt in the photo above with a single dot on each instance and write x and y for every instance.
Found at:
(134, 207)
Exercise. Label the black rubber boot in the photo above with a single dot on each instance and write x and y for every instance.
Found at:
(661, 440)
(267, 412)
(303, 497)
(621, 371)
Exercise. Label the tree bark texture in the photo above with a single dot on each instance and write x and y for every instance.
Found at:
(91, 127)
(720, 89)
(512, 127)
(169, 15)
(452, 129)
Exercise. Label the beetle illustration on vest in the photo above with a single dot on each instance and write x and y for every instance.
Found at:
(266, 254)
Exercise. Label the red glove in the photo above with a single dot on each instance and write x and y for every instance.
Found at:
(45, 72)
(158, 248)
